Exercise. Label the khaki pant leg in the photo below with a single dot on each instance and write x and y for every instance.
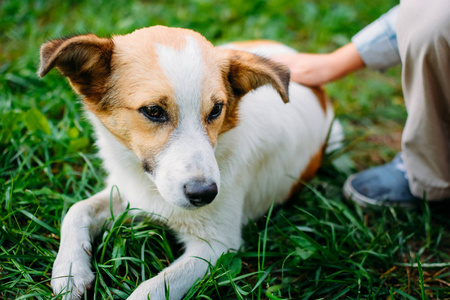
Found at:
(423, 33)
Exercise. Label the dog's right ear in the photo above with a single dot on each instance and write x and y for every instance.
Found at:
(248, 71)
(84, 59)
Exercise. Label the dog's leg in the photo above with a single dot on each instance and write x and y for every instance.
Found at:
(181, 275)
(72, 267)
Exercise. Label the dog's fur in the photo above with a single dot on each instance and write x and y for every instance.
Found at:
(253, 151)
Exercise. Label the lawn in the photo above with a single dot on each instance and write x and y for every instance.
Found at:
(316, 246)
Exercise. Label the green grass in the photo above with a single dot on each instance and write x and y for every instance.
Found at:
(315, 246)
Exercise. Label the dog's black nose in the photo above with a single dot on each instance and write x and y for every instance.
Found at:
(199, 193)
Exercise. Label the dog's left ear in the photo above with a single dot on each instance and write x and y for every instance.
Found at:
(248, 71)
(84, 59)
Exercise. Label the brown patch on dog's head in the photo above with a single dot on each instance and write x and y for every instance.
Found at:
(117, 76)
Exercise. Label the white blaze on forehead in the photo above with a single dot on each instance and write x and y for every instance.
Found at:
(189, 154)
(184, 69)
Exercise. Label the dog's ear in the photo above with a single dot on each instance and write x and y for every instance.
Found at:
(248, 71)
(84, 59)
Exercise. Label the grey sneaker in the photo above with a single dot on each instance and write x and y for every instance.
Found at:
(385, 185)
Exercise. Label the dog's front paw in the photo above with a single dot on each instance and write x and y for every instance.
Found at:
(72, 274)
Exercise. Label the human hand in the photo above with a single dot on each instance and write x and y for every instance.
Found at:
(318, 69)
(307, 69)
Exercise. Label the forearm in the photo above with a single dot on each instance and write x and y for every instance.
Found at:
(344, 61)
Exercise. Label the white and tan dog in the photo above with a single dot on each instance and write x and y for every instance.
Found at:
(199, 137)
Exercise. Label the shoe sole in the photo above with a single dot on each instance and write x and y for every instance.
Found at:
(353, 195)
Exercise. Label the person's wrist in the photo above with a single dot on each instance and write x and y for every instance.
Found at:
(344, 61)
(333, 67)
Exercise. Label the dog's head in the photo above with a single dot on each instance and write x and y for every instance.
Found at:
(166, 94)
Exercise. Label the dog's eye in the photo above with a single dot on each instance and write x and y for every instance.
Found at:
(154, 113)
(215, 112)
